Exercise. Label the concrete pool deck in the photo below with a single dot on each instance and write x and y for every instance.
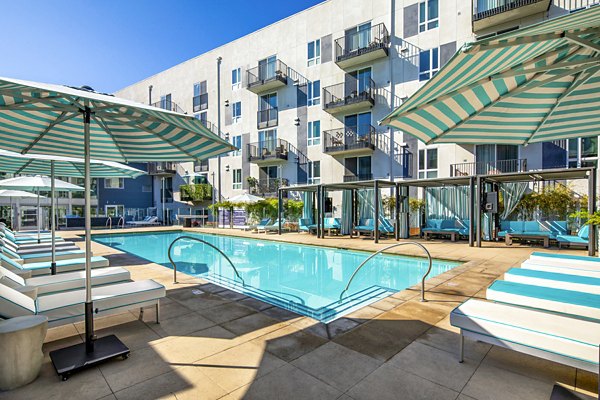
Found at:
(218, 344)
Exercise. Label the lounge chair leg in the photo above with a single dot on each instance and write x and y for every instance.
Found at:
(462, 349)
(141, 316)
(157, 312)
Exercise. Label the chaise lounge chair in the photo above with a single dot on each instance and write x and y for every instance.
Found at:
(147, 221)
(581, 239)
(557, 280)
(68, 307)
(63, 282)
(274, 227)
(566, 340)
(43, 268)
(305, 225)
(261, 225)
(43, 256)
(37, 247)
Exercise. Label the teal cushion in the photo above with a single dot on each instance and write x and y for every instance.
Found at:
(584, 232)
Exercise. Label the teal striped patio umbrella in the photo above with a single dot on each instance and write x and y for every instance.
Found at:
(535, 84)
(39, 118)
(37, 164)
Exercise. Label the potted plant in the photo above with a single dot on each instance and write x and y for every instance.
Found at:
(252, 184)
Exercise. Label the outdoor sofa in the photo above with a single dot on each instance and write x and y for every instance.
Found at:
(443, 227)
(581, 239)
(546, 231)
(368, 226)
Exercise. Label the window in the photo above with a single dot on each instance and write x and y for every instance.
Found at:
(429, 63)
(428, 15)
(314, 52)
(237, 142)
(582, 152)
(314, 93)
(114, 183)
(314, 172)
(236, 78)
(314, 133)
(146, 188)
(237, 178)
(358, 37)
(358, 169)
(236, 111)
(200, 96)
(165, 102)
(203, 117)
(428, 163)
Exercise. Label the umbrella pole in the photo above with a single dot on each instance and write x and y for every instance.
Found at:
(52, 219)
(38, 215)
(94, 351)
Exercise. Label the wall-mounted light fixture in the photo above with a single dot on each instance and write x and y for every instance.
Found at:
(227, 168)
(297, 122)
(226, 103)
(227, 136)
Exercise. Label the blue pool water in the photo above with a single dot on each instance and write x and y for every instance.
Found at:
(301, 278)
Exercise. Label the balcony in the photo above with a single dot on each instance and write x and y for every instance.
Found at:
(168, 105)
(488, 168)
(268, 152)
(267, 77)
(358, 177)
(268, 118)
(162, 168)
(201, 166)
(349, 97)
(196, 193)
(362, 46)
(268, 186)
(350, 140)
(489, 13)
(200, 103)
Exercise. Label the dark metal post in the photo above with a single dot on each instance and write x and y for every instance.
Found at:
(471, 211)
(376, 219)
(323, 193)
(89, 316)
(318, 217)
(478, 209)
(397, 216)
(219, 120)
(150, 95)
(592, 210)
(52, 219)
(279, 209)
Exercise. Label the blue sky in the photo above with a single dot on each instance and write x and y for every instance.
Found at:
(110, 44)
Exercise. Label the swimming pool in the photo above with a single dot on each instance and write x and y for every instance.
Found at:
(301, 278)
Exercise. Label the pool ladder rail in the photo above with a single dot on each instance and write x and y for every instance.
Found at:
(388, 248)
(120, 222)
(206, 243)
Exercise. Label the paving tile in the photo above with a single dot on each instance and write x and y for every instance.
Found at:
(88, 384)
(253, 325)
(388, 382)
(290, 343)
(337, 365)
(226, 312)
(195, 298)
(135, 334)
(255, 304)
(238, 366)
(142, 364)
(341, 325)
(435, 365)
(184, 383)
(61, 332)
(281, 314)
(170, 309)
(289, 382)
(450, 341)
(491, 383)
(533, 367)
(364, 313)
(382, 338)
(181, 325)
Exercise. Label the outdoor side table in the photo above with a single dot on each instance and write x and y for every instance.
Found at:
(21, 341)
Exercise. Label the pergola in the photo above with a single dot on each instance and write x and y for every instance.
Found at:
(476, 184)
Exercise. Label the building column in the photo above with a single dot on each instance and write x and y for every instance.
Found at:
(591, 210)
(478, 209)
(471, 211)
(376, 216)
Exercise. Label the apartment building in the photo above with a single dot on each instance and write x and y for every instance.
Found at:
(302, 98)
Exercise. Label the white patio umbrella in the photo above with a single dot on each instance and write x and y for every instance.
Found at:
(17, 194)
(39, 118)
(32, 164)
(36, 184)
(245, 198)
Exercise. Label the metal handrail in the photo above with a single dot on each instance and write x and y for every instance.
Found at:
(108, 223)
(207, 243)
(121, 222)
(387, 248)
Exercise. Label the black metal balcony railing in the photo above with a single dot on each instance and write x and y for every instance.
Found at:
(349, 138)
(201, 166)
(348, 93)
(168, 105)
(214, 129)
(488, 168)
(267, 118)
(362, 42)
(200, 102)
(487, 8)
(358, 177)
(268, 149)
(268, 186)
(161, 168)
(267, 72)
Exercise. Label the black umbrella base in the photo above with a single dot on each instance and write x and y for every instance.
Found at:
(560, 393)
(73, 359)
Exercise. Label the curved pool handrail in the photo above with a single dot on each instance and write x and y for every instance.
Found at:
(121, 222)
(207, 243)
(387, 248)
(108, 223)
